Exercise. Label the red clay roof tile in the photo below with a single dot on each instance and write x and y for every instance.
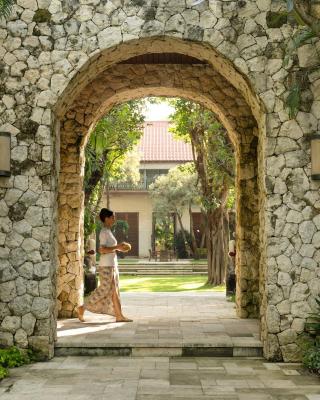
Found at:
(158, 144)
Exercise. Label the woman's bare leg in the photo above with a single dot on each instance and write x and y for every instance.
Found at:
(117, 306)
(81, 311)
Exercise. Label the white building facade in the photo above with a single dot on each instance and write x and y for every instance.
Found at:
(159, 153)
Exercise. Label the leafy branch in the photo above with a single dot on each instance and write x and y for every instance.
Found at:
(300, 12)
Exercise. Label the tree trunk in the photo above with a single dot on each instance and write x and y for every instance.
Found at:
(216, 245)
(183, 234)
(193, 238)
(107, 190)
(203, 228)
(95, 178)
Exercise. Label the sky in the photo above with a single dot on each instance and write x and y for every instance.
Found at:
(158, 112)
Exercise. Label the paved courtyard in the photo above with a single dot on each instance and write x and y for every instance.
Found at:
(165, 320)
(162, 378)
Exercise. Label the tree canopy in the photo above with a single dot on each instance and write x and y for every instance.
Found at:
(214, 163)
(212, 150)
(172, 192)
(175, 192)
(115, 135)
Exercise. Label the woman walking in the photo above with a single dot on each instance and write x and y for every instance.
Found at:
(106, 298)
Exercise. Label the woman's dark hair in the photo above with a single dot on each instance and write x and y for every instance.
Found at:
(105, 213)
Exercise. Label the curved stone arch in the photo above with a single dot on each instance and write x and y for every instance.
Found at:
(77, 41)
(111, 88)
(121, 51)
(224, 101)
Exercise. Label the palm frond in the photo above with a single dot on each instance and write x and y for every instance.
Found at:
(293, 100)
(5, 8)
(300, 37)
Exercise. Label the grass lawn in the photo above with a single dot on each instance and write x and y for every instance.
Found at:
(126, 261)
(176, 283)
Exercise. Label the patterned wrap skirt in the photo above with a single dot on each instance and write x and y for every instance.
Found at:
(100, 300)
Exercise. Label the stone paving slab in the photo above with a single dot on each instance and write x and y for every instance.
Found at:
(159, 378)
(166, 320)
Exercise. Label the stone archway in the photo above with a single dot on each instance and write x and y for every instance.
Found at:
(47, 61)
(196, 80)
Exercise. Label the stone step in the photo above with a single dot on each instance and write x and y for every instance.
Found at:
(163, 269)
(164, 265)
(164, 273)
(160, 270)
(194, 350)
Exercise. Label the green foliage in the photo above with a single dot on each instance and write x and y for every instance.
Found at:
(114, 136)
(164, 230)
(298, 39)
(120, 228)
(180, 245)
(214, 158)
(214, 163)
(312, 326)
(294, 100)
(276, 19)
(3, 372)
(171, 194)
(174, 283)
(308, 27)
(311, 355)
(232, 298)
(174, 191)
(42, 15)
(13, 357)
(89, 222)
(231, 198)
(128, 172)
(5, 8)
(310, 341)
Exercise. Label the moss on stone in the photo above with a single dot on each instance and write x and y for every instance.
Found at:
(17, 212)
(276, 19)
(42, 15)
(150, 14)
(138, 3)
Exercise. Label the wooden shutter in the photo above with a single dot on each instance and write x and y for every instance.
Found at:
(133, 235)
(198, 227)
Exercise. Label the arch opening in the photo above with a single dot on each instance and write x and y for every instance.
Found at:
(198, 82)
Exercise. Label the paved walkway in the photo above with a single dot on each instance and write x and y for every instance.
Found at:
(101, 378)
(165, 320)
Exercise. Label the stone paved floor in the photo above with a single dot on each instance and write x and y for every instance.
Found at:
(165, 319)
(163, 378)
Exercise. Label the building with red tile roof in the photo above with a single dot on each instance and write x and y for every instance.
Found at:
(160, 151)
(159, 145)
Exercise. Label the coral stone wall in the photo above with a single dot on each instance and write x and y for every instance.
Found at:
(51, 51)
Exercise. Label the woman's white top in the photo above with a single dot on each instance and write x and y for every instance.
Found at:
(107, 239)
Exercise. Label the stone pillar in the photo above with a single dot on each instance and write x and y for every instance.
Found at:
(27, 237)
(70, 204)
(247, 230)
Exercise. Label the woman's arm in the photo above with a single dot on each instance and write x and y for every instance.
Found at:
(108, 250)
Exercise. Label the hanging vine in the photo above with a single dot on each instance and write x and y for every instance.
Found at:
(300, 14)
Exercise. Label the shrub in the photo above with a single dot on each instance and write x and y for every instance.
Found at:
(3, 372)
(311, 356)
(180, 246)
(310, 341)
(13, 357)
